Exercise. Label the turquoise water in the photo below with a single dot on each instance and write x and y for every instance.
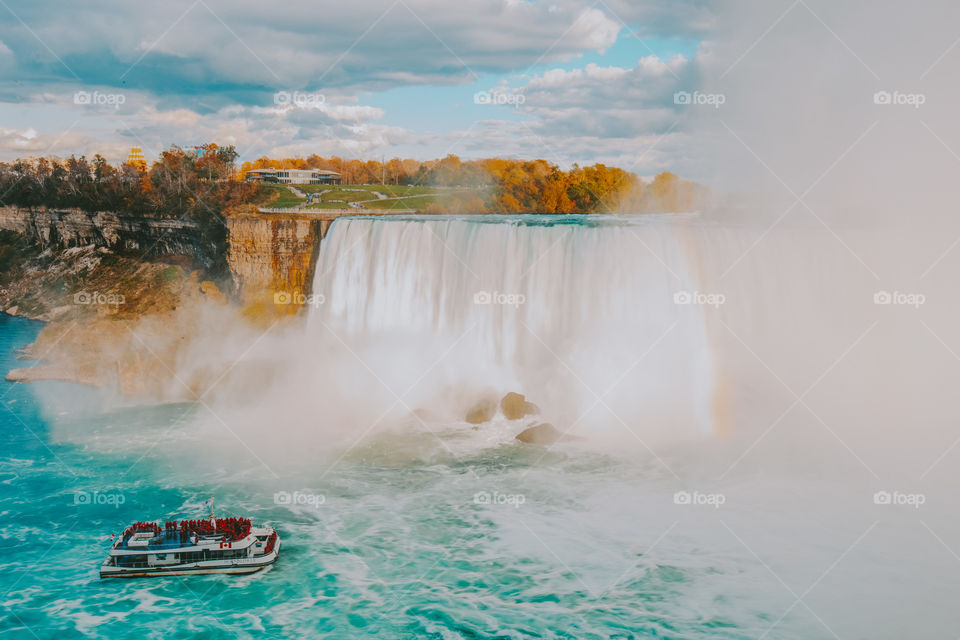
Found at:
(390, 542)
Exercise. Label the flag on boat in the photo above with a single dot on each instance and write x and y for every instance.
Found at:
(213, 519)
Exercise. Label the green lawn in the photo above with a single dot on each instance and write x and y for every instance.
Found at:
(337, 196)
(315, 188)
(405, 189)
(447, 199)
(347, 195)
(387, 189)
(415, 202)
(279, 197)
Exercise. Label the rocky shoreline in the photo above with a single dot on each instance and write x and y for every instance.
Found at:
(123, 297)
(96, 341)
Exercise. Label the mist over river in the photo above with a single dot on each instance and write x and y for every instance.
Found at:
(755, 447)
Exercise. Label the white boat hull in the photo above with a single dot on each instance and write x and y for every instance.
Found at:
(233, 567)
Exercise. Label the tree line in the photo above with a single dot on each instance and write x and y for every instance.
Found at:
(513, 186)
(203, 183)
(196, 183)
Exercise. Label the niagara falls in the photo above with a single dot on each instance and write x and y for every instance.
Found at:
(497, 320)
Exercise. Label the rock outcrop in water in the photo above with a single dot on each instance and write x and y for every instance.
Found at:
(482, 412)
(514, 406)
(544, 433)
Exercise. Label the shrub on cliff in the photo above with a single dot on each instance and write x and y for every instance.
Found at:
(14, 249)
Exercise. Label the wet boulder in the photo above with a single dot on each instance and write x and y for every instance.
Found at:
(515, 406)
(482, 412)
(543, 433)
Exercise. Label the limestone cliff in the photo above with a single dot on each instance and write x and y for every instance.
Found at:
(128, 299)
(146, 235)
(272, 259)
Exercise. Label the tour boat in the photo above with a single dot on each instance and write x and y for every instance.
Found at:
(191, 547)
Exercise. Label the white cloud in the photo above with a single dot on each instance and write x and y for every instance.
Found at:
(25, 142)
(181, 47)
(173, 118)
(189, 78)
(349, 112)
(611, 101)
(595, 29)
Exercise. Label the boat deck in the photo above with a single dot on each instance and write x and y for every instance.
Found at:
(167, 540)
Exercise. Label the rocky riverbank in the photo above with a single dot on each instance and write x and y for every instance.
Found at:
(125, 303)
(112, 321)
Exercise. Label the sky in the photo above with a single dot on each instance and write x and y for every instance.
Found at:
(569, 81)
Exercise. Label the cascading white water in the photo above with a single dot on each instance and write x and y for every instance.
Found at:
(591, 318)
(629, 331)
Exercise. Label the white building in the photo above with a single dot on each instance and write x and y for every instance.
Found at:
(294, 176)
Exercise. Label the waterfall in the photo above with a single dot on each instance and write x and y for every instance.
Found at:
(637, 334)
(599, 320)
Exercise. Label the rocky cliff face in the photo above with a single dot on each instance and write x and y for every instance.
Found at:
(66, 228)
(128, 301)
(266, 254)
(129, 342)
(272, 260)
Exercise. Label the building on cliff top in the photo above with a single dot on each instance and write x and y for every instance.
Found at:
(293, 176)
